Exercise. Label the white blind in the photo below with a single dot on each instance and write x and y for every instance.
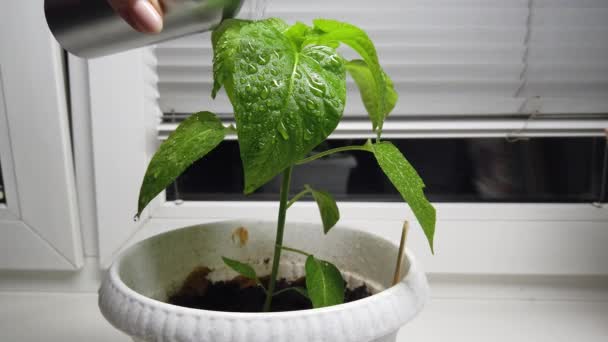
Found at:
(449, 59)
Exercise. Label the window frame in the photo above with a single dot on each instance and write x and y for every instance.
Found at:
(39, 224)
(472, 238)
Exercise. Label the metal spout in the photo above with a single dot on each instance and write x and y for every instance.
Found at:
(90, 28)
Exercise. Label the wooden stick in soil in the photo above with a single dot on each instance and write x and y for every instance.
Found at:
(397, 276)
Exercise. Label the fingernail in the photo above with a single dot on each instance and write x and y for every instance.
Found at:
(147, 18)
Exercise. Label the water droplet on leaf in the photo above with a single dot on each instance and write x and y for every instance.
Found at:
(308, 135)
(317, 91)
(283, 130)
(262, 60)
(252, 69)
(311, 105)
(265, 92)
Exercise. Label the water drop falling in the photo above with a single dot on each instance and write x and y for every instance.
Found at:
(258, 9)
(136, 218)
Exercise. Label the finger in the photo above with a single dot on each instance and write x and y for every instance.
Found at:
(143, 15)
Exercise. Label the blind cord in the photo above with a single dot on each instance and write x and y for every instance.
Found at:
(534, 106)
(519, 134)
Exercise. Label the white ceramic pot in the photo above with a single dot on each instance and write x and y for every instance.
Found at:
(133, 293)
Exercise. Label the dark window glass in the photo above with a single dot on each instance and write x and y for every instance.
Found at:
(2, 195)
(454, 170)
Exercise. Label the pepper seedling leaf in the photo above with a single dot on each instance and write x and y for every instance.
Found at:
(409, 184)
(324, 283)
(330, 214)
(193, 139)
(335, 31)
(364, 78)
(287, 99)
(241, 268)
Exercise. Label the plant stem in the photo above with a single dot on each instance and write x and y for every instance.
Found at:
(279, 239)
(332, 151)
(298, 196)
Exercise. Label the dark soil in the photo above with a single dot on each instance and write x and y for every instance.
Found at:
(243, 295)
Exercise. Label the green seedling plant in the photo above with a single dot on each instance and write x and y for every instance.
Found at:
(287, 85)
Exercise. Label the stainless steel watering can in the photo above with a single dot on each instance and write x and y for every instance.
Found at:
(90, 28)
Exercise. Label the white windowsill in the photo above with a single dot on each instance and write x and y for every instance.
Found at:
(74, 317)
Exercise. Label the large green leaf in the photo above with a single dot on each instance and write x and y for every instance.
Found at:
(364, 77)
(336, 31)
(286, 100)
(409, 184)
(324, 283)
(193, 139)
(221, 39)
(330, 214)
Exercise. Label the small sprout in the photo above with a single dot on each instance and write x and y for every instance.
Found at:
(324, 283)
(330, 214)
(244, 270)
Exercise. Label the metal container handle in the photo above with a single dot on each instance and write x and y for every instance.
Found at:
(90, 28)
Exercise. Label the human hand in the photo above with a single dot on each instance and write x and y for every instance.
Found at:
(143, 15)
